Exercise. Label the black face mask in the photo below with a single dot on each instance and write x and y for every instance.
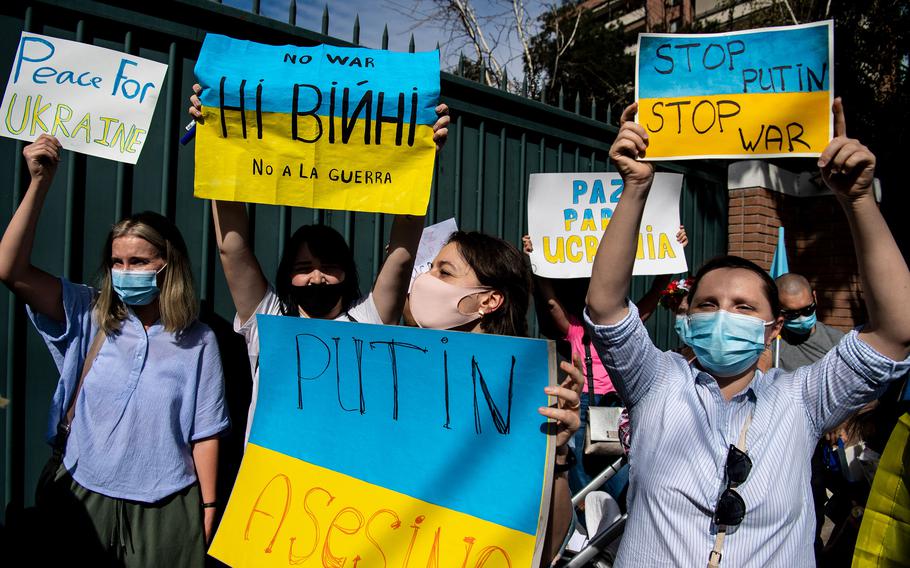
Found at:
(317, 300)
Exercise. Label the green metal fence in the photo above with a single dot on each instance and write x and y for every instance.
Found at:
(496, 140)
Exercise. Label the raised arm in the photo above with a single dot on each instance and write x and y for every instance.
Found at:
(33, 286)
(648, 303)
(393, 279)
(391, 285)
(244, 276)
(612, 269)
(848, 168)
(550, 313)
(242, 271)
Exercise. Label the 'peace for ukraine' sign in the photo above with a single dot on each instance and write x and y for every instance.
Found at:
(96, 101)
(758, 93)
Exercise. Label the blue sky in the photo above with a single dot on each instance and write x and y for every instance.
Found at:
(403, 18)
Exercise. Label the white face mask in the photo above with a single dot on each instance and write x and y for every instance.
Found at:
(436, 304)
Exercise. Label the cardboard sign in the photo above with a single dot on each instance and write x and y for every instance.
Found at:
(96, 101)
(385, 446)
(432, 240)
(323, 127)
(765, 93)
(568, 213)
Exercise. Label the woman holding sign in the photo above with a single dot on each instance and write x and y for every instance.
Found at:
(720, 460)
(481, 284)
(139, 405)
(317, 276)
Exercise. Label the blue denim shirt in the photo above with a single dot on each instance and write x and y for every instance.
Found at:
(145, 399)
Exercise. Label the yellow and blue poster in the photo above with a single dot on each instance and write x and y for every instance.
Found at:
(384, 446)
(569, 212)
(760, 93)
(323, 127)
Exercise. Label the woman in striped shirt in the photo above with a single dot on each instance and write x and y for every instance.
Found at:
(720, 458)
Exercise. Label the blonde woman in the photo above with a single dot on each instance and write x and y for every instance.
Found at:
(140, 392)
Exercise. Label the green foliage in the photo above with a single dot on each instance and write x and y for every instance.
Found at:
(593, 64)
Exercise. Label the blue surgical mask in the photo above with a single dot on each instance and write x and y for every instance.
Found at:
(725, 343)
(801, 325)
(136, 287)
(681, 326)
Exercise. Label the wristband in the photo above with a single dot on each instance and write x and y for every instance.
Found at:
(570, 463)
(212, 505)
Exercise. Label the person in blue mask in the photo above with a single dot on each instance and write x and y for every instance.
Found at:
(804, 339)
(139, 406)
(720, 462)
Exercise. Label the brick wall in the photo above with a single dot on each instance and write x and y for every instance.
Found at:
(818, 241)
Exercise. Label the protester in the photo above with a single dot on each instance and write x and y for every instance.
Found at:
(721, 447)
(140, 392)
(316, 276)
(477, 283)
(481, 284)
(560, 304)
(804, 339)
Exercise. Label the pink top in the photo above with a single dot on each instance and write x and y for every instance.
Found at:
(602, 383)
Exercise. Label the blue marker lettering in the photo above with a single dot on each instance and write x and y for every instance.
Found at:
(21, 56)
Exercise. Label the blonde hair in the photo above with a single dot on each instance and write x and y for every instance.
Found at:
(177, 300)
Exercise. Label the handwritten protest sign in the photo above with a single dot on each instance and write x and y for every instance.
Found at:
(568, 213)
(384, 446)
(325, 127)
(432, 240)
(765, 92)
(96, 101)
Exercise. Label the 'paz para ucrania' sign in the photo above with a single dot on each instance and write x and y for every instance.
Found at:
(324, 127)
(569, 212)
(96, 101)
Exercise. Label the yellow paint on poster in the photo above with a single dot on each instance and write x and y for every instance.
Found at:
(791, 124)
(277, 169)
(287, 512)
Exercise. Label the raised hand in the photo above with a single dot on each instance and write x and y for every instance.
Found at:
(195, 109)
(681, 236)
(526, 244)
(847, 166)
(631, 143)
(568, 397)
(441, 128)
(42, 157)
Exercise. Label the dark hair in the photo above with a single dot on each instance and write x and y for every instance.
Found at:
(730, 261)
(500, 266)
(327, 245)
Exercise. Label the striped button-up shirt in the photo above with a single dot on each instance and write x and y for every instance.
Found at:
(681, 432)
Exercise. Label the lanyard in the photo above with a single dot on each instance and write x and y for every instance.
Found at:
(714, 557)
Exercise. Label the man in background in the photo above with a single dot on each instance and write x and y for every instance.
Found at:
(804, 339)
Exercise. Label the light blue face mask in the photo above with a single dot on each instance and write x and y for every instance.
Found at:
(136, 287)
(681, 326)
(801, 325)
(725, 343)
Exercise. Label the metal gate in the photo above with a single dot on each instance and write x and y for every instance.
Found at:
(496, 140)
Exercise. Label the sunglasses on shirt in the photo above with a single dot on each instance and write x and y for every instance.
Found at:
(793, 314)
(731, 509)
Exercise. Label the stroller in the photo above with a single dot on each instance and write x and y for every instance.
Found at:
(601, 547)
